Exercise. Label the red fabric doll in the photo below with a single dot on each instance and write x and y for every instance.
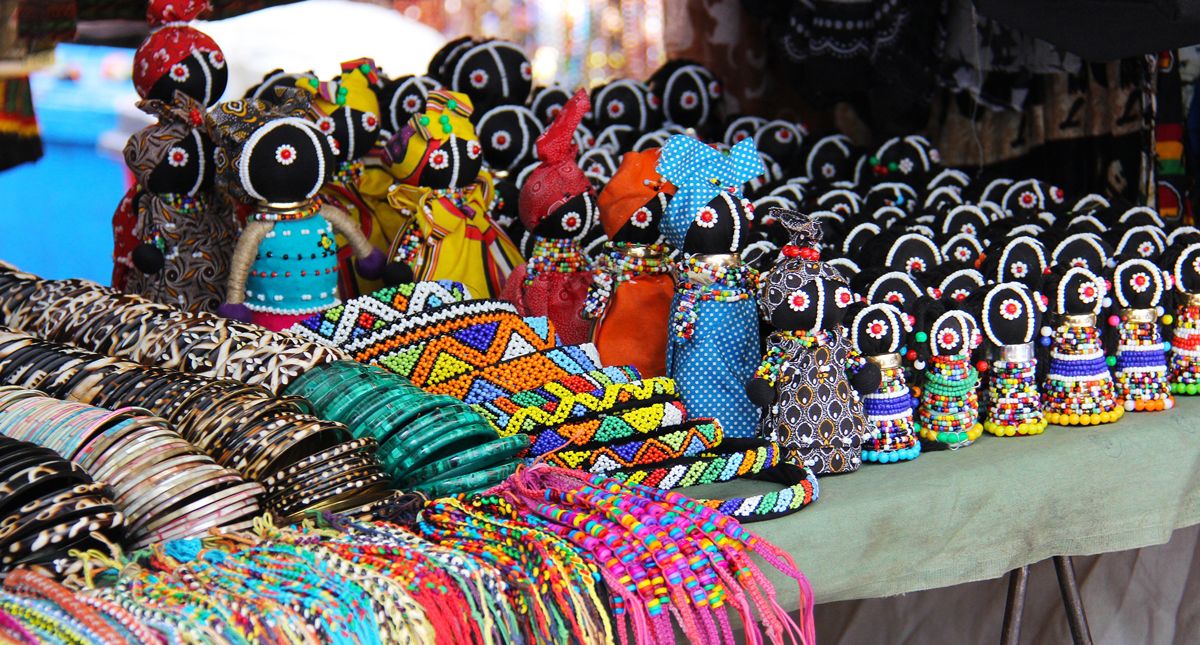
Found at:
(558, 205)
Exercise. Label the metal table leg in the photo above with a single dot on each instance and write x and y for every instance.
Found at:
(1014, 606)
(1081, 634)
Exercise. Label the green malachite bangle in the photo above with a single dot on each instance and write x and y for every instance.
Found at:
(474, 482)
(471, 460)
(438, 435)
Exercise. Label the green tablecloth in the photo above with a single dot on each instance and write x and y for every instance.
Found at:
(974, 514)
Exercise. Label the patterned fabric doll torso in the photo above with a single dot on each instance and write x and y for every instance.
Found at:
(890, 412)
(554, 283)
(458, 239)
(196, 241)
(1140, 376)
(296, 269)
(1079, 382)
(631, 297)
(817, 417)
(712, 349)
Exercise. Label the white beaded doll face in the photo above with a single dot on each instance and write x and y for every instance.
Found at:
(1138, 284)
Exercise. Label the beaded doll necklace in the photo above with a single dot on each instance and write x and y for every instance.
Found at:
(349, 173)
(1140, 373)
(554, 256)
(300, 211)
(185, 204)
(893, 435)
(1079, 389)
(949, 410)
(621, 262)
(1185, 350)
(1015, 403)
(699, 280)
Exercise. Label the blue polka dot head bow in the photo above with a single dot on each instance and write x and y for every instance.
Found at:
(699, 173)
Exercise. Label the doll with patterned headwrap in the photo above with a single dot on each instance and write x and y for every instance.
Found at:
(1078, 390)
(558, 206)
(440, 201)
(713, 346)
(811, 380)
(632, 288)
(348, 112)
(877, 332)
(1140, 374)
(1009, 315)
(184, 232)
(285, 265)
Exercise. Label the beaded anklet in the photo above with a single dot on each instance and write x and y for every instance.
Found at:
(1015, 406)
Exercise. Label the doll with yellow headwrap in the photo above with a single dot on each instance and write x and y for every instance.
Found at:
(632, 287)
(443, 197)
(348, 113)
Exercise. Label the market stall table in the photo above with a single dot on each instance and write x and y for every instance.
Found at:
(979, 512)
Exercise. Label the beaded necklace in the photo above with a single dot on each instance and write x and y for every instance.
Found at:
(1015, 403)
(1140, 374)
(1079, 387)
(781, 349)
(949, 411)
(304, 211)
(184, 204)
(554, 256)
(1185, 350)
(349, 173)
(621, 262)
(699, 281)
(893, 435)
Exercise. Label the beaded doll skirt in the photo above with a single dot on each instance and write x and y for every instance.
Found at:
(713, 367)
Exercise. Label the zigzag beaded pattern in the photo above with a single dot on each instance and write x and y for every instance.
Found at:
(549, 406)
(365, 314)
(609, 427)
(423, 325)
(521, 373)
(689, 440)
(705, 468)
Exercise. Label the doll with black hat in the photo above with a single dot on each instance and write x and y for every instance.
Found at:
(1009, 315)
(1078, 389)
(948, 414)
(1140, 374)
(878, 333)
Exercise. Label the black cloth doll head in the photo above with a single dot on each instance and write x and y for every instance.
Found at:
(690, 96)
(492, 73)
(831, 159)
(507, 134)
(624, 102)
(402, 98)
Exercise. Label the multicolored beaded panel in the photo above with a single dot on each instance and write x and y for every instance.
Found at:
(607, 456)
(948, 415)
(889, 410)
(363, 315)
(1140, 375)
(519, 374)
(1185, 351)
(1079, 387)
(557, 402)
(609, 427)
(1015, 404)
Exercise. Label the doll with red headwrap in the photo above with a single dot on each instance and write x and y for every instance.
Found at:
(632, 287)
(558, 206)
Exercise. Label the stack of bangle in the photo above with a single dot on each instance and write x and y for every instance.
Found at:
(1185, 350)
(165, 487)
(889, 409)
(50, 506)
(1079, 387)
(948, 415)
(1140, 374)
(99, 319)
(1015, 406)
(242, 427)
(427, 442)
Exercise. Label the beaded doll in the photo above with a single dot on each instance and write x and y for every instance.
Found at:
(877, 332)
(349, 115)
(285, 264)
(1140, 374)
(1079, 388)
(1009, 314)
(713, 344)
(804, 382)
(689, 96)
(630, 296)
(185, 233)
(558, 206)
(1183, 261)
(948, 414)
(439, 199)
